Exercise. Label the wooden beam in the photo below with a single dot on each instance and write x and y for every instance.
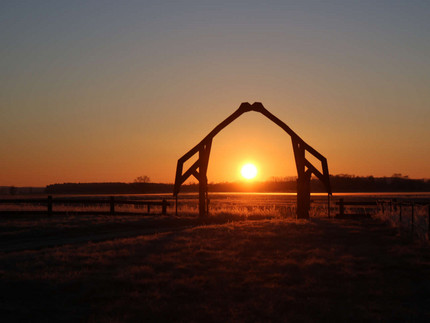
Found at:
(196, 175)
(203, 180)
(190, 171)
(299, 156)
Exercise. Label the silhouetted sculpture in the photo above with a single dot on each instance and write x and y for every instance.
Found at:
(305, 169)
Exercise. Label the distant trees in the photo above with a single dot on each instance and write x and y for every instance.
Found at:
(142, 179)
(280, 179)
(12, 190)
(339, 183)
(399, 175)
(109, 188)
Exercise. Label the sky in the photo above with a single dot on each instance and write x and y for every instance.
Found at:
(106, 91)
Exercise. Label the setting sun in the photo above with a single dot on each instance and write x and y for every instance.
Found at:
(249, 171)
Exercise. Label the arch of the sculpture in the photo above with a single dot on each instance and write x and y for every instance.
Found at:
(305, 169)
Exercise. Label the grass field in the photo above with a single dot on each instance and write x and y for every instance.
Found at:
(275, 269)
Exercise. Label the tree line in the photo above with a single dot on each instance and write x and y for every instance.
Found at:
(339, 183)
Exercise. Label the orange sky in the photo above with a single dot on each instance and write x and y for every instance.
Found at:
(97, 92)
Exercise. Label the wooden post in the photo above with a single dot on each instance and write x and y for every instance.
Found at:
(303, 197)
(204, 152)
(400, 213)
(176, 205)
(164, 210)
(207, 203)
(112, 205)
(412, 219)
(341, 207)
(202, 197)
(428, 222)
(303, 180)
(328, 205)
(49, 205)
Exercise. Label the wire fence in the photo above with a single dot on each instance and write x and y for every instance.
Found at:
(408, 216)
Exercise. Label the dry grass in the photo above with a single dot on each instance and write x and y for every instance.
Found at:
(243, 205)
(419, 229)
(268, 270)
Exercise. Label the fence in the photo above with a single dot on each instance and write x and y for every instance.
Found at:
(112, 202)
(394, 211)
(362, 204)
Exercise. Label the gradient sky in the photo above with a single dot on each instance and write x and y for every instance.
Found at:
(95, 91)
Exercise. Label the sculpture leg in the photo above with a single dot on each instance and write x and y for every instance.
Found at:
(202, 199)
(203, 180)
(303, 196)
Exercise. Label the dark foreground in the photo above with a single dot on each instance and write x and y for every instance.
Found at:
(265, 270)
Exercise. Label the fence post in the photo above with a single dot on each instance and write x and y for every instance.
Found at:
(112, 205)
(328, 205)
(49, 205)
(164, 211)
(412, 219)
(400, 214)
(428, 212)
(341, 207)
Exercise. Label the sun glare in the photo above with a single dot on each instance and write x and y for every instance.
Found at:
(249, 171)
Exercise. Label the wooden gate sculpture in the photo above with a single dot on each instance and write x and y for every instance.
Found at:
(305, 169)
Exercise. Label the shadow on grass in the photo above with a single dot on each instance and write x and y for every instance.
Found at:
(225, 270)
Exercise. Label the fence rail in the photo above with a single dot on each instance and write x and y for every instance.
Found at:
(341, 203)
(111, 201)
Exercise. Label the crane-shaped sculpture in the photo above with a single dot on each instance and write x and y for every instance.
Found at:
(305, 169)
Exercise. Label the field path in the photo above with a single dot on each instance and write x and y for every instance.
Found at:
(35, 233)
(56, 240)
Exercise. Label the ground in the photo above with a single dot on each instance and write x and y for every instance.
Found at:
(252, 270)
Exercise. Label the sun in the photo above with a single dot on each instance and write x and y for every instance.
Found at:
(249, 171)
